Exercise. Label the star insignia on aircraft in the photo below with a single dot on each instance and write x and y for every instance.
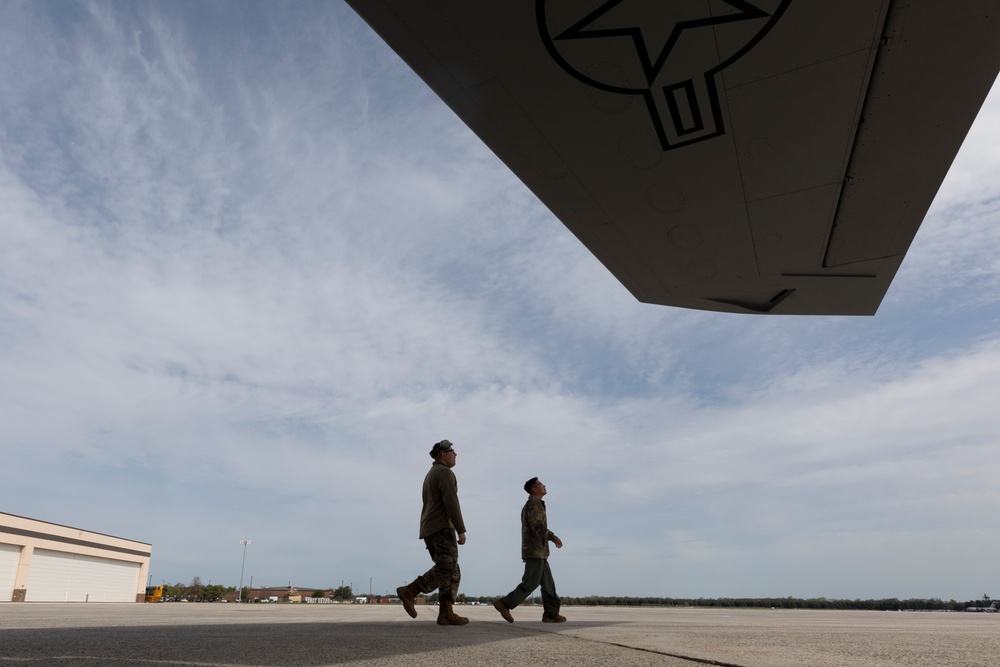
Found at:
(624, 18)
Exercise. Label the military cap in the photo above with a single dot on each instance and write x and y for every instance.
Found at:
(440, 448)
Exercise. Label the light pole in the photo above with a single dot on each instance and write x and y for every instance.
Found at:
(239, 598)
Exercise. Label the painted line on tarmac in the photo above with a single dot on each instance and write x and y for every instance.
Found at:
(679, 656)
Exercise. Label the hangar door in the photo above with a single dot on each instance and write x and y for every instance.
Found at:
(57, 576)
(10, 554)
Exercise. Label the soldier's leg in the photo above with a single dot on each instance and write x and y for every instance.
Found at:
(445, 575)
(550, 600)
(449, 589)
(533, 568)
(449, 576)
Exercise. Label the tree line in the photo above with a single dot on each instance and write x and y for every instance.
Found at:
(197, 591)
(884, 604)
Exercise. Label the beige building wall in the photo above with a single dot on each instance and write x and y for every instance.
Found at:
(71, 564)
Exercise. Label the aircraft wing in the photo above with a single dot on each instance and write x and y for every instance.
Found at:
(749, 156)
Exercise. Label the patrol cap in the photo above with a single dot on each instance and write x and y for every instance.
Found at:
(440, 448)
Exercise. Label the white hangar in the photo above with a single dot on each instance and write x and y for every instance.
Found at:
(47, 562)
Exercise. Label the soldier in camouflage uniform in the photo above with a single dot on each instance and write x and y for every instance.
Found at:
(535, 538)
(440, 521)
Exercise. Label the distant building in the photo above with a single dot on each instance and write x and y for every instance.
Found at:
(279, 594)
(47, 562)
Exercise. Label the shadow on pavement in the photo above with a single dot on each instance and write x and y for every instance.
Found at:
(305, 644)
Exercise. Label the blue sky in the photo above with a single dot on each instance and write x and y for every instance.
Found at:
(251, 269)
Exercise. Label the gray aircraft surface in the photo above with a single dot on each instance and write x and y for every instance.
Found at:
(758, 156)
(992, 608)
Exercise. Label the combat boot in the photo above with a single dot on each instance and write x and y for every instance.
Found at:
(447, 617)
(406, 595)
(504, 611)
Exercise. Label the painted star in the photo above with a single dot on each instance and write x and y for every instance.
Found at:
(633, 19)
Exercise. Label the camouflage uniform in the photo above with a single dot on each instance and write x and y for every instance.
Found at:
(535, 538)
(440, 522)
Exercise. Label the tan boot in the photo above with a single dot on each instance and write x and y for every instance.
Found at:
(447, 617)
(406, 595)
(504, 611)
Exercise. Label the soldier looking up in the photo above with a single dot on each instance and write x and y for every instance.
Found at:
(442, 530)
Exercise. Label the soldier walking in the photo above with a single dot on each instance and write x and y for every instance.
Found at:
(442, 530)
(535, 538)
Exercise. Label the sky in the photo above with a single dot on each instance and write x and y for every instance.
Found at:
(251, 269)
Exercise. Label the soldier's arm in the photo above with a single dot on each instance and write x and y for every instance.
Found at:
(535, 517)
(449, 494)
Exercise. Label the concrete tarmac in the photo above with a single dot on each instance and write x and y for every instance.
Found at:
(308, 635)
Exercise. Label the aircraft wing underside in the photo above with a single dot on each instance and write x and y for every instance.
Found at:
(760, 156)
